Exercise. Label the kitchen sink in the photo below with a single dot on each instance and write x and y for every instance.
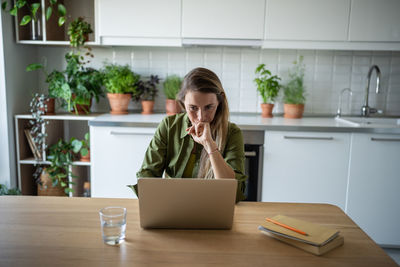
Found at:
(367, 121)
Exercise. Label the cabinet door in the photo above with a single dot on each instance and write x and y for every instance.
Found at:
(117, 154)
(138, 18)
(230, 19)
(308, 20)
(372, 20)
(374, 186)
(306, 167)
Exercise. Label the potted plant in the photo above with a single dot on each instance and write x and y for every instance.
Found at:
(146, 92)
(268, 86)
(294, 91)
(120, 83)
(61, 156)
(32, 14)
(82, 147)
(172, 85)
(78, 32)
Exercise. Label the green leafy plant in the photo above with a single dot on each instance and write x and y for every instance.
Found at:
(294, 90)
(78, 32)
(267, 84)
(120, 79)
(61, 156)
(82, 146)
(8, 191)
(33, 10)
(147, 90)
(172, 85)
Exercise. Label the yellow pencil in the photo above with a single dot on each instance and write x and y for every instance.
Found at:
(286, 226)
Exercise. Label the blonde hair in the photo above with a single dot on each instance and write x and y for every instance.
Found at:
(205, 81)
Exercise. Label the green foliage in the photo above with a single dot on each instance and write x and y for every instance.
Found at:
(147, 90)
(294, 90)
(38, 106)
(267, 84)
(78, 32)
(172, 85)
(120, 79)
(81, 146)
(33, 10)
(5, 191)
(61, 156)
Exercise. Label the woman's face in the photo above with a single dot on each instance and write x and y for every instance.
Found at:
(201, 107)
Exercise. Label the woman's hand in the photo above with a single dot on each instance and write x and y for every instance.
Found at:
(201, 133)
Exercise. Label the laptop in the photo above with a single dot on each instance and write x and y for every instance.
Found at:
(186, 203)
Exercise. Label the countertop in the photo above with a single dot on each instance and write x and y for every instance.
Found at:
(254, 122)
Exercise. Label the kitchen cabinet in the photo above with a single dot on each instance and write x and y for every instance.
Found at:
(51, 33)
(375, 21)
(317, 20)
(374, 184)
(138, 22)
(56, 127)
(305, 167)
(117, 154)
(223, 19)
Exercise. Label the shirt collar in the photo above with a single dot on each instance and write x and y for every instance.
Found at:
(186, 124)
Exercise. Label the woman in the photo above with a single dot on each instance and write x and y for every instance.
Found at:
(201, 142)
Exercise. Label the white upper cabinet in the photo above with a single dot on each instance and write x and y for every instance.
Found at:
(308, 20)
(131, 22)
(226, 19)
(373, 20)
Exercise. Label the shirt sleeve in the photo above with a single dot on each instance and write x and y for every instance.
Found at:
(154, 161)
(234, 157)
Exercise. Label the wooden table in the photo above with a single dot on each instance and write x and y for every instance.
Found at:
(59, 231)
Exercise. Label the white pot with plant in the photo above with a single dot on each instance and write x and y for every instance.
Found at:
(294, 91)
(172, 85)
(268, 86)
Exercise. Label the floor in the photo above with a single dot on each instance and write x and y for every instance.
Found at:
(394, 253)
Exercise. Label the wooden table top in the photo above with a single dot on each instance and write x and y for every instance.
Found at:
(60, 231)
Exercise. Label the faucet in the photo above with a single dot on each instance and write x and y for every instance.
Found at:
(366, 110)
(339, 110)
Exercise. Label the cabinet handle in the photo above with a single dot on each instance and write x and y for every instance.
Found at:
(129, 133)
(308, 138)
(385, 139)
(250, 154)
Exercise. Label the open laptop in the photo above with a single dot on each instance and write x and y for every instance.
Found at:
(186, 203)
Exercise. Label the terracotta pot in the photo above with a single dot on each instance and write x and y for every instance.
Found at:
(47, 189)
(293, 111)
(50, 102)
(147, 106)
(85, 158)
(119, 103)
(172, 106)
(82, 109)
(266, 110)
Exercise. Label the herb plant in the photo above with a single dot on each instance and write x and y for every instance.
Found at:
(147, 90)
(120, 79)
(78, 32)
(267, 84)
(172, 85)
(294, 90)
(82, 146)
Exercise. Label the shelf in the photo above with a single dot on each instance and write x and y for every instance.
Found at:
(39, 42)
(63, 116)
(46, 162)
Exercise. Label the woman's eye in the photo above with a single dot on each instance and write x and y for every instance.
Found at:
(209, 107)
(193, 108)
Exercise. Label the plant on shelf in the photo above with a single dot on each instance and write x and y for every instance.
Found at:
(82, 147)
(121, 83)
(146, 92)
(172, 85)
(268, 86)
(32, 13)
(294, 91)
(8, 191)
(78, 32)
(61, 156)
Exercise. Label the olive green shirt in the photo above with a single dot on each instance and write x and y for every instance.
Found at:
(171, 147)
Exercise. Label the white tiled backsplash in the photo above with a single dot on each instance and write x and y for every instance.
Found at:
(327, 73)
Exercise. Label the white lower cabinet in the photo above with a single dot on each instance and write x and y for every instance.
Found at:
(306, 167)
(117, 154)
(374, 186)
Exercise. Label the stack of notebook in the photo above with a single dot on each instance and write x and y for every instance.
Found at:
(310, 237)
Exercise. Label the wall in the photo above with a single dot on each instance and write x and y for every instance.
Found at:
(327, 72)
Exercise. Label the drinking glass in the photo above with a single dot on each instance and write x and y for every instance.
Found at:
(113, 224)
